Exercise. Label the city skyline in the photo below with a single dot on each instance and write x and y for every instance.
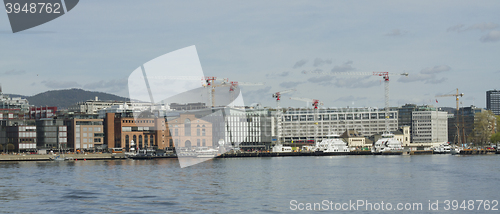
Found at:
(443, 46)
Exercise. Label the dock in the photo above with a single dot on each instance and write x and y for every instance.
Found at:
(75, 157)
(478, 152)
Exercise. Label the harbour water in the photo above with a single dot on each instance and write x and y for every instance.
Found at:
(264, 185)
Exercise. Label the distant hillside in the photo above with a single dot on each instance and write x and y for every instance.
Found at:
(67, 97)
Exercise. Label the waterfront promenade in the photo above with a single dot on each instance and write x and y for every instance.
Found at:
(111, 156)
(76, 157)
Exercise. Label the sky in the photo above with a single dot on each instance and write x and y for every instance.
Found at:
(442, 45)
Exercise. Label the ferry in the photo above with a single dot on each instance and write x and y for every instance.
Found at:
(206, 153)
(332, 145)
(387, 145)
(444, 148)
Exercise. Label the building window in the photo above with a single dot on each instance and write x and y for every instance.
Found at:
(127, 141)
(198, 142)
(197, 132)
(140, 141)
(176, 132)
(134, 139)
(204, 143)
(187, 127)
(202, 132)
(170, 143)
(145, 141)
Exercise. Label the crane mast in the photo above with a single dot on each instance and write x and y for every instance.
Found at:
(384, 75)
(456, 95)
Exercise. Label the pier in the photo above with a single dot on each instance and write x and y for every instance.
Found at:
(75, 157)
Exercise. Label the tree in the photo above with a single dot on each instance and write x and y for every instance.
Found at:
(10, 147)
(484, 127)
(495, 138)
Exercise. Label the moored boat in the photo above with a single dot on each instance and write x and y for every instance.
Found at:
(387, 145)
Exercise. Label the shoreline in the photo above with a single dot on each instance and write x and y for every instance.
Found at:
(115, 156)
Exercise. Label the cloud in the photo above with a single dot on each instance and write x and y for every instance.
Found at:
(110, 86)
(290, 84)
(362, 82)
(320, 79)
(396, 32)
(492, 36)
(479, 26)
(349, 99)
(483, 26)
(456, 28)
(274, 74)
(347, 66)
(60, 84)
(435, 81)
(320, 62)
(256, 95)
(427, 75)
(435, 69)
(14, 72)
(300, 63)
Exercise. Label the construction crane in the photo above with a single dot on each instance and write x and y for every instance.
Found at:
(456, 95)
(211, 85)
(233, 85)
(277, 95)
(314, 102)
(384, 75)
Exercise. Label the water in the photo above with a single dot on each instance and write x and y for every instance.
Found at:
(245, 185)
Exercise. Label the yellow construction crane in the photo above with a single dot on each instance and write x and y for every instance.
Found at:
(456, 95)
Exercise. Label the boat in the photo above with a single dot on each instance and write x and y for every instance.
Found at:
(444, 148)
(206, 153)
(455, 150)
(387, 145)
(332, 145)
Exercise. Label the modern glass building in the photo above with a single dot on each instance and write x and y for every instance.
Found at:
(493, 101)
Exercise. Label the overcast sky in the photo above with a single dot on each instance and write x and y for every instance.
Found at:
(443, 45)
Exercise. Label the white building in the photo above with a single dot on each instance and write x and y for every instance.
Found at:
(304, 125)
(133, 107)
(93, 106)
(429, 127)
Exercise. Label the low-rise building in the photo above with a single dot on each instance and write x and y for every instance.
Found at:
(125, 131)
(85, 132)
(355, 139)
(429, 127)
(51, 134)
(188, 131)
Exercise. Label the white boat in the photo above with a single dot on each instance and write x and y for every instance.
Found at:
(332, 145)
(455, 150)
(444, 148)
(206, 153)
(387, 145)
(280, 148)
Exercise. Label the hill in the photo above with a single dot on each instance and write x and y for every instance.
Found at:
(67, 97)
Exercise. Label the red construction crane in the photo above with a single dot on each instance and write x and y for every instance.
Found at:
(384, 75)
(234, 85)
(314, 102)
(277, 95)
